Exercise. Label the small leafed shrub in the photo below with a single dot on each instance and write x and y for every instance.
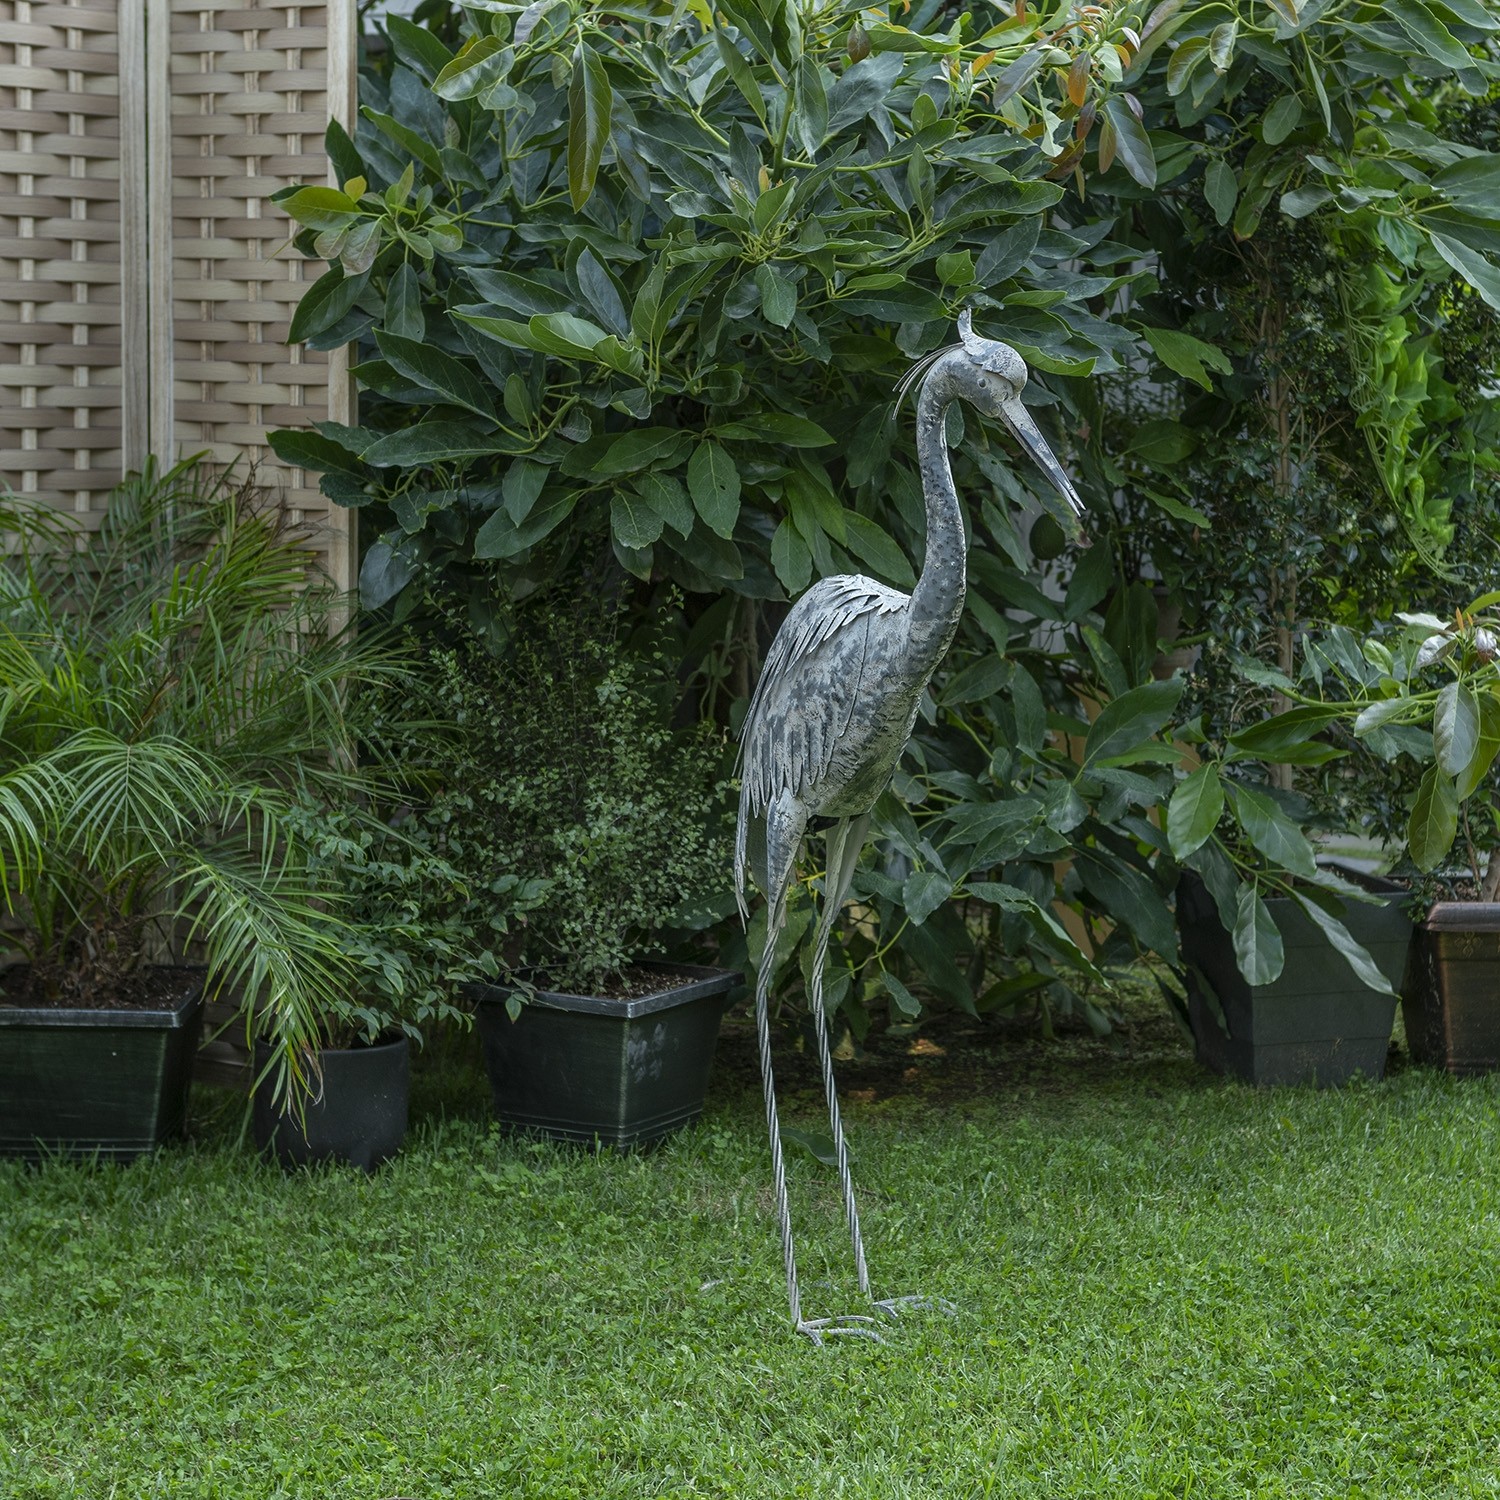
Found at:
(572, 788)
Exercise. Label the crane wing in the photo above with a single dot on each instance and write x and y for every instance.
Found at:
(808, 689)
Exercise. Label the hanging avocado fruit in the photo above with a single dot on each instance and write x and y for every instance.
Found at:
(1047, 538)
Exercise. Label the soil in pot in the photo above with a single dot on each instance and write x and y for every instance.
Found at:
(594, 1069)
(357, 1112)
(109, 1080)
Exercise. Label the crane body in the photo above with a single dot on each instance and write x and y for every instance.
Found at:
(831, 716)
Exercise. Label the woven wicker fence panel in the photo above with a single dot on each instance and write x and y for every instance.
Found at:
(250, 103)
(60, 250)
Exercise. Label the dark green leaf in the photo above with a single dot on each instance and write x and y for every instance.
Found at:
(1302, 201)
(1187, 355)
(1221, 187)
(1272, 832)
(1280, 121)
(906, 1002)
(776, 427)
(383, 574)
(1257, 942)
(403, 304)
(1132, 144)
(500, 538)
(923, 892)
(714, 483)
(778, 297)
(1434, 820)
(790, 558)
(327, 300)
(589, 101)
(635, 523)
(1455, 728)
(450, 378)
(1127, 722)
(1194, 811)
(429, 443)
(1486, 749)
(1355, 954)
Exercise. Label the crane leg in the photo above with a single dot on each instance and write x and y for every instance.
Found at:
(785, 823)
(845, 840)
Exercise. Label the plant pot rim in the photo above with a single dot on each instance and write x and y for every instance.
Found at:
(155, 1018)
(263, 1045)
(1463, 916)
(698, 983)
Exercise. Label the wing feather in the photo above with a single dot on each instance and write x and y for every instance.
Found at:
(789, 734)
(804, 703)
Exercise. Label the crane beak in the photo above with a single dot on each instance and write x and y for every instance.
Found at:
(1018, 419)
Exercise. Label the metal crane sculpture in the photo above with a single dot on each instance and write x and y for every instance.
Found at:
(833, 712)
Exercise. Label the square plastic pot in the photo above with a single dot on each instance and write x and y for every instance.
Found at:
(107, 1083)
(593, 1070)
(1451, 1004)
(1316, 1024)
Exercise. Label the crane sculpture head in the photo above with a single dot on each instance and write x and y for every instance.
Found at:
(990, 376)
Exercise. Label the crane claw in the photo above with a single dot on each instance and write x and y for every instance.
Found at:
(817, 1329)
(892, 1306)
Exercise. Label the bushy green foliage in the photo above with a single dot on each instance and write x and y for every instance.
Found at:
(575, 798)
(408, 930)
(641, 282)
(177, 687)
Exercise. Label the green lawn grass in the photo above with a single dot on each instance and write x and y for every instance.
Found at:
(1166, 1285)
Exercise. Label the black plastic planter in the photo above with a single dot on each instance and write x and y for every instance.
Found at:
(358, 1114)
(1317, 1023)
(1451, 1003)
(107, 1083)
(616, 1072)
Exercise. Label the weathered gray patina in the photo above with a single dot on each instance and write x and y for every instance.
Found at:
(833, 712)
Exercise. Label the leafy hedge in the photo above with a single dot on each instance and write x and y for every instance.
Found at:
(645, 278)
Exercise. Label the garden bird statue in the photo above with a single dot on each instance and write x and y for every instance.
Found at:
(833, 712)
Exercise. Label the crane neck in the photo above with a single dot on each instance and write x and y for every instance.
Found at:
(937, 602)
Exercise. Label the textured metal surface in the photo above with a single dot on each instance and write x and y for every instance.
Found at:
(596, 1072)
(357, 1114)
(1451, 1004)
(1316, 1024)
(95, 1082)
(832, 714)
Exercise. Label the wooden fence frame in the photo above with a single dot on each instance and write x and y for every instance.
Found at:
(143, 301)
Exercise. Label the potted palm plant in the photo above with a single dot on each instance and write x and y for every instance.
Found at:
(408, 930)
(573, 781)
(173, 685)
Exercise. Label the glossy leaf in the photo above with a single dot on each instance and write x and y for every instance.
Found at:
(1433, 824)
(1127, 722)
(1355, 954)
(1194, 811)
(714, 483)
(1186, 355)
(589, 101)
(1455, 728)
(1132, 144)
(1272, 832)
(1258, 948)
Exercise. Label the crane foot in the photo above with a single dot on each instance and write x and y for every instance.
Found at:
(892, 1307)
(855, 1324)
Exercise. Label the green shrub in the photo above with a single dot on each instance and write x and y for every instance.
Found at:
(641, 283)
(574, 797)
(177, 688)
